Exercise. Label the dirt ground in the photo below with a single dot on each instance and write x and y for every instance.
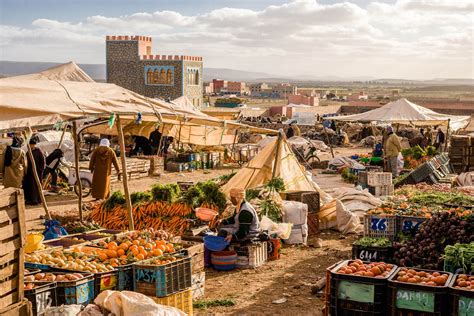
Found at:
(253, 291)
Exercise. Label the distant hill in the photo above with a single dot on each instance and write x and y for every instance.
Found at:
(97, 72)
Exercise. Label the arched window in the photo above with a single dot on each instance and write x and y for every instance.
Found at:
(168, 77)
(156, 76)
(196, 77)
(149, 76)
(162, 76)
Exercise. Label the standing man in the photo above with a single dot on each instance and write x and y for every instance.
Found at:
(392, 149)
(439, 140)
(15, 164)
(52, 163)
(290, 132)
(155, 138)
(245, 224)
(32, 194)
(101, 165)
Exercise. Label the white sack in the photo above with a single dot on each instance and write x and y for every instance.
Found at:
(296, 213)
(347, 222)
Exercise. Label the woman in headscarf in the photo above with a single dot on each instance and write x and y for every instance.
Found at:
(15, 164)
(101, 165)
(32, 193)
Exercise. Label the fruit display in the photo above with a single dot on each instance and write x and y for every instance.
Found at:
(68, 261)
(159, 215)
(161, 260)
(53, 277)
(131, 247)
(426, 248)
(373, 242)
(431, 278)
(373, 270)
(464, 282)
(80, 227)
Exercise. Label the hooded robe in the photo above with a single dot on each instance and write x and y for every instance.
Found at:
(101, 165)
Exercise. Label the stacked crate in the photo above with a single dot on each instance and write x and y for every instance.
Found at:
(12, 240)
(380, 183)
(195, 250)
(136, 168)
(461, 153)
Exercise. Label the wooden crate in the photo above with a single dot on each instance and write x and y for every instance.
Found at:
(195, 250)
(12, 241)
(22, 308)
(250, 256)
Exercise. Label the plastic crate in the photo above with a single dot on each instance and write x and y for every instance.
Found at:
(182, 300)
(382, 190)
(76, 292)
(412, 299)
(312, 200)
(31, 271)
(250, 256)
(37, 266)
(362, 178)
(462, 300)
(273, 249)
(372, 254)
(162, 280)
(125, 277)
(105, 281)
(379, 178)
(42, 296)
(380, 226)
(357, 295)
(409, 224)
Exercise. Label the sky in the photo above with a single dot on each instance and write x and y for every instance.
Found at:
(410, 39)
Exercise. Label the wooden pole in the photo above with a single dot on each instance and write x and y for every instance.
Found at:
(447, 137)
(160, 144)
(62, 136)
(35, 174)
(277, 154)
(124, 174)
(327, 139)
(75, 137)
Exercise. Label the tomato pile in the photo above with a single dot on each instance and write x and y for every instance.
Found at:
(373, 269)
(465, 282)
(422, 277)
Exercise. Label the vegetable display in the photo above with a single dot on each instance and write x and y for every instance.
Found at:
(426, 248)
(422, 277)
(69, 261)
(374, 269)
(460, 256)
(373, 242)
(53, 277)
(80, 227)
(158, 215)
(165, 192)
(205, 192)
(464, 282)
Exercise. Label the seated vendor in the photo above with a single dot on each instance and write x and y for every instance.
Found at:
(245, 224)
(378, 150)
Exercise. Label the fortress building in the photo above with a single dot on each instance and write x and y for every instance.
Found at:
(130, 64)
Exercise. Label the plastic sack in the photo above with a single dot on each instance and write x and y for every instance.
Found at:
(400, 162)
(347, 222)
(63, 310)
(53, 230)
(282, 230)
(297, 214)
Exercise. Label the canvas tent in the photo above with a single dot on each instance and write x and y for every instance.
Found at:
(64, 72)
(405, 112)
(275, 159)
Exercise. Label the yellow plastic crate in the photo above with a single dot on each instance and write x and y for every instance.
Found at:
(182, 300)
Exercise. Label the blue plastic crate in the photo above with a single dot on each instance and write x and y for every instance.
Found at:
(125, 278)
(76, 292)
(37, 266)
(162, 280)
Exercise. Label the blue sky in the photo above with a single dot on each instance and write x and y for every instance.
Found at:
(397, 38)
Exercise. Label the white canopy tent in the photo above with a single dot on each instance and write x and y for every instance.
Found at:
(403, 111)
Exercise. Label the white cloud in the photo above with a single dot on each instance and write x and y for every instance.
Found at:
(410, 38)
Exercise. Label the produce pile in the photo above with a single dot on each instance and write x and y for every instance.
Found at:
(68, 261)
(415, 156)
(464, 282)
(460, 256)
(164, 207)
(422, 277)
(50, 277)
(426, 248)
(373, 242)
(266, 199)
(375, 269)
(81, 227)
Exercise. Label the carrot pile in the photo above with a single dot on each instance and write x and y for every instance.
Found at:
(158, 215)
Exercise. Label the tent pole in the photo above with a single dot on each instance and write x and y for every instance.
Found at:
(124, 174)
(76, 160)
(277, 154)
(447, 137)
(327, 139)
(36, 176)
(161, 140)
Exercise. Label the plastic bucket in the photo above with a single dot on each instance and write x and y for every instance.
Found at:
(224, 260)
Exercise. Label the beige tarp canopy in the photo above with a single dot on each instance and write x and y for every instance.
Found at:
(405, 112)
(259, 170)
(65, 72)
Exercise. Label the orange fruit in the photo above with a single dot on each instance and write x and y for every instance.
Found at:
(124, 246)
(112, 245)
(135, 242)
(148, 246)
(161, 247)
(103, 256)
(157, 252)
(140, 256)
(123, 257)
(111, 253)
(120, 252)
(143, 252)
